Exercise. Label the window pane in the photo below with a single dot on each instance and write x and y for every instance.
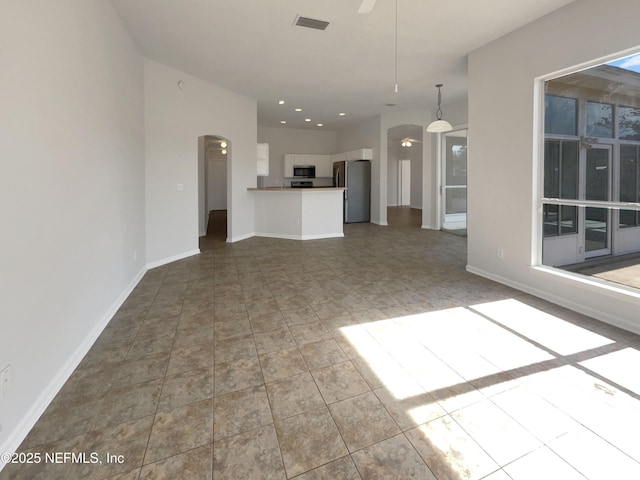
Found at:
(596, 227)
(597, 184)
(569, 220)
(456, 161)
(569, 170)
(628, 173)
(456, 200)
(560, 115)
(629, 122)
(550, 220)
(627, 218)
(599, 120)
(552, 169)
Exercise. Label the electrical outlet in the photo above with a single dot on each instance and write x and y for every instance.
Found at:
(5, 380)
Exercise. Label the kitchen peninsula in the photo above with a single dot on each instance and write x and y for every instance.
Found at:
(298, 213)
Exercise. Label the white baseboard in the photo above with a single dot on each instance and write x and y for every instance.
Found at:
(428, 227)
(17, 436)
(382, 224)
(240, 237)
(174, 258)
(300, 237)
(558, 300)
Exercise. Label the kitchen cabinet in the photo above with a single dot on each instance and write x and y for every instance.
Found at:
(289, 162)
(263, 160)
(322, 163)
(360, 154)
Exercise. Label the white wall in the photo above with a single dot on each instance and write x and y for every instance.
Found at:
(174, 120)
(367, 134)
(71, 143)
(292, 140)
(502, 146)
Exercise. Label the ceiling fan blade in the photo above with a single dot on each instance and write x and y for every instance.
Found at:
(366, 6)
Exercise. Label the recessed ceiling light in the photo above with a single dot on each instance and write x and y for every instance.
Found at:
(283, 121)
(342, 114)
(320, 125)
(280, 102)
(223, 144)
(307, 119)
(224, 152)
(298, 109)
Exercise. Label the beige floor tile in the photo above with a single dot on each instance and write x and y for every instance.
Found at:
(339, 381)
(362, 420)
(196, 464)
(229, 349)
(237, 375)
(449, 452)
(322, 353)
(128, 403)
(128, 439)
(309, 440)
(293, 395)
(179, 430)
(282, 364)
(542, 463)
(190, 357)
(391, 459)
(343, 469)
(240, 411)
(185, 388)
(274, 340)
(411, 411)
(250, 455)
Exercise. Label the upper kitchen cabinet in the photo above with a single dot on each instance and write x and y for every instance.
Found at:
(263, 160)
(360, 154)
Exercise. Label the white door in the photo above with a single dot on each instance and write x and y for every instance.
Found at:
(454, 180)
(404, 182)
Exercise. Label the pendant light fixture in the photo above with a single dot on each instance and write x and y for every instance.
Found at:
(439, 125)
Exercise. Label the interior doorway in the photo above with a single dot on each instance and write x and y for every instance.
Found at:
(405, 160)
(453, 202)
(214, 152)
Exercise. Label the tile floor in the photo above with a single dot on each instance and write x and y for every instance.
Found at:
(375, 356)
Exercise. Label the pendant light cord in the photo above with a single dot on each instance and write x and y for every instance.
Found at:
(396, 70)
(439, 112)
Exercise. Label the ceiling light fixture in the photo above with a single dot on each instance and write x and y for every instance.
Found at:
(280, 102)
(439, 125)
(298, 109)
(307, 119)
(224, 152)
(342, 114)
(320, 124)
(406, 143)
(283, 121)
(223, 144)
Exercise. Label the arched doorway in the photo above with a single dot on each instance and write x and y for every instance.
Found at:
(214, 152)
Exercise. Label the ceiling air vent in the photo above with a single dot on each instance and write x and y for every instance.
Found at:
(311, 23)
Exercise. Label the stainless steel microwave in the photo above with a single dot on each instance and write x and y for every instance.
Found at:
(304, 171)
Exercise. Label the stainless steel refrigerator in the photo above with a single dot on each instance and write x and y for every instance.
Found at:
(355, 176)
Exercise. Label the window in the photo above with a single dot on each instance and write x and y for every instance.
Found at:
(590, 191)
(599, 120)
(629, 183)
(560, 181)
(561, 115)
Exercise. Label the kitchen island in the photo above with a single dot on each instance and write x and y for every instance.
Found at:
(298, 213)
